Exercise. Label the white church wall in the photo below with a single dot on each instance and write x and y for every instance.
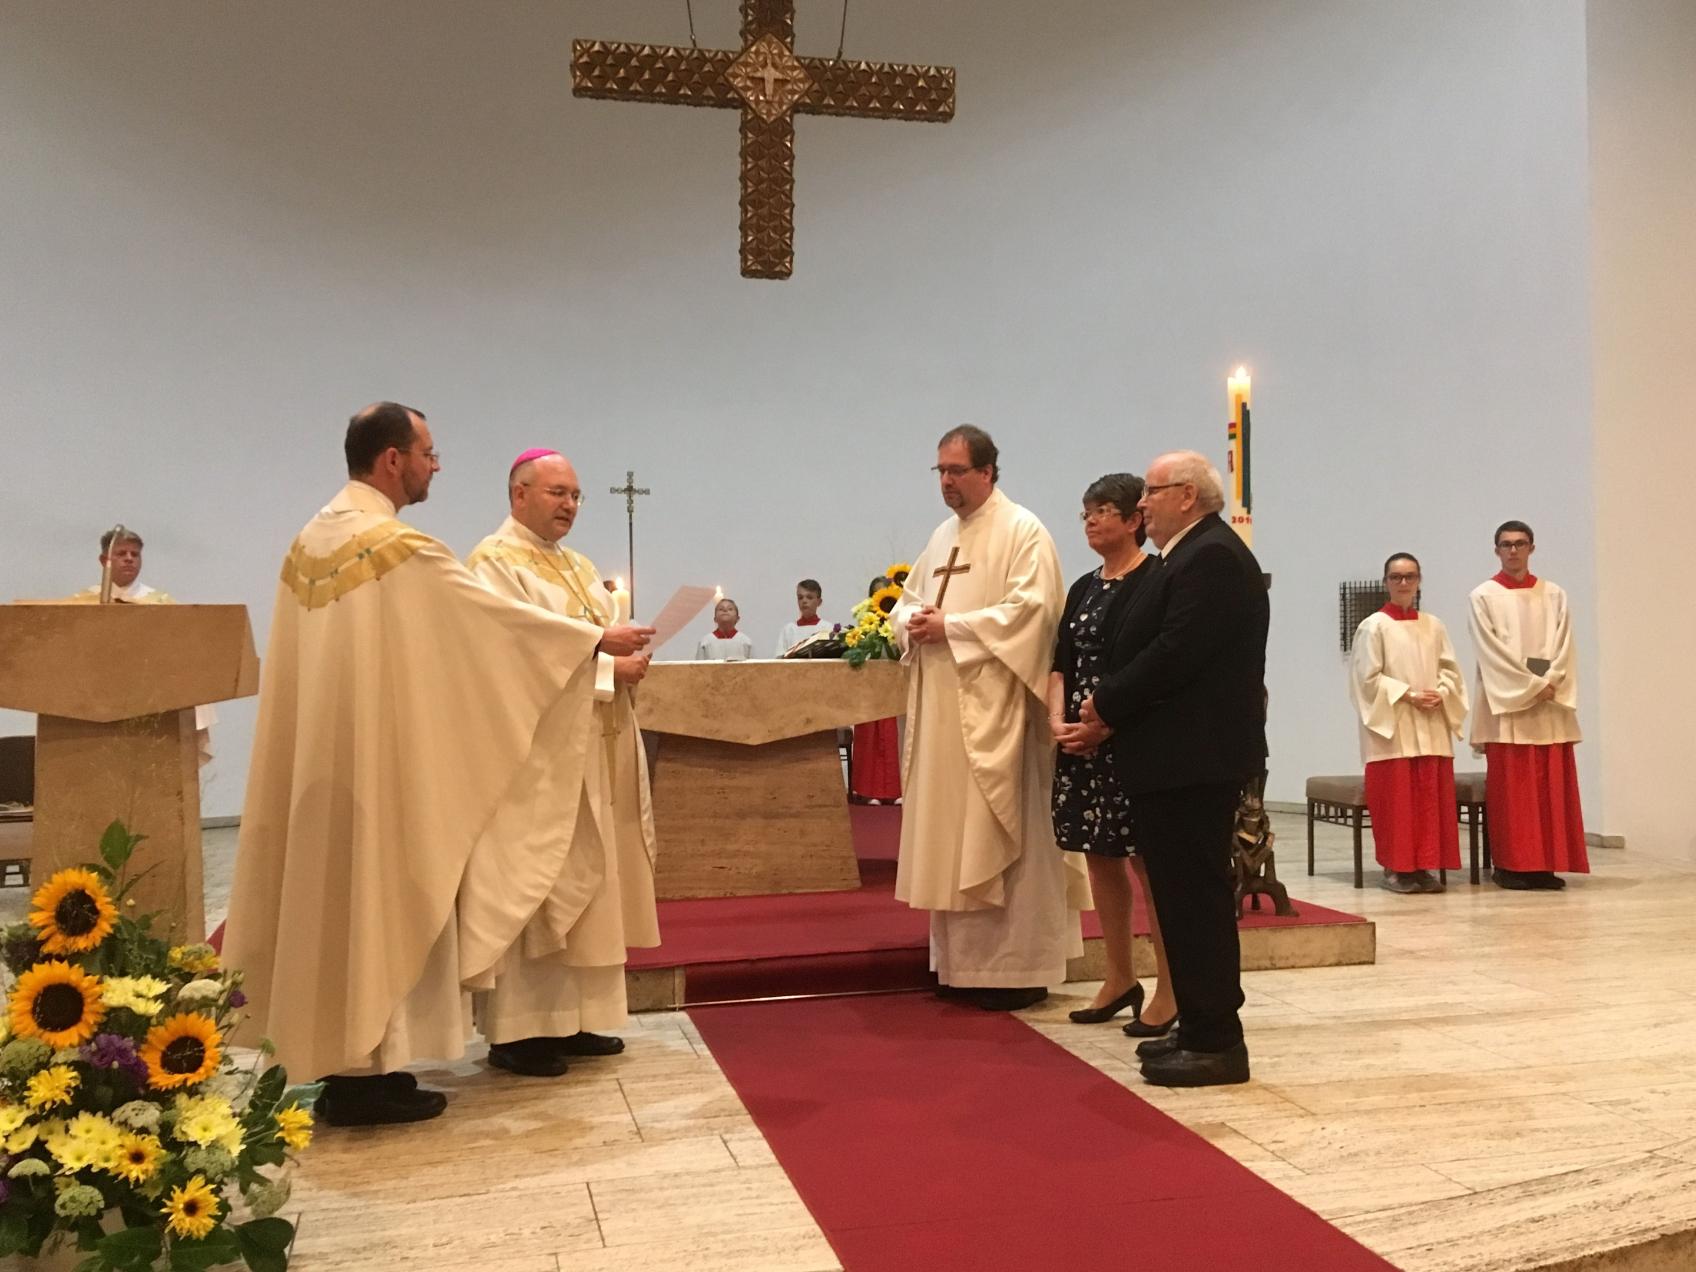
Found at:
(226, 228)
(1643, 203)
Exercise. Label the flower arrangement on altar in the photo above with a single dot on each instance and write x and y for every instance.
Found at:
(127, 1131)
(871, 636)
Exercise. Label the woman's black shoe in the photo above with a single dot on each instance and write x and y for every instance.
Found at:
(1140, 1028)
(1131, 998)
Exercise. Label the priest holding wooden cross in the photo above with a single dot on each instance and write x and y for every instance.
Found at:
(977, 844)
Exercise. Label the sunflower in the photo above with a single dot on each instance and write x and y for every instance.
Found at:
(192, 1209)
(138, 1157)
(181, 1051)
(52, 1086)
(294, 1127)
(58, 1003)
(897, 573)
(885, 599)
(72, 913)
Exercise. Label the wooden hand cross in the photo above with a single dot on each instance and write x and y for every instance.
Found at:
(770, 86)
(947, 572)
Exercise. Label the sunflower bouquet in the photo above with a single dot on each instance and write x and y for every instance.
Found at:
(127, 1131)
(871, 635)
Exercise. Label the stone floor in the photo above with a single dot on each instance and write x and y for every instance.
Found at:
(1511, 1086)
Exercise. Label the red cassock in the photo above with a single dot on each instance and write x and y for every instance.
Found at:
(1531, 795)
(1412, 802)
(874, 765)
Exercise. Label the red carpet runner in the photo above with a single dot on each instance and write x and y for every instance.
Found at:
(926, 1137)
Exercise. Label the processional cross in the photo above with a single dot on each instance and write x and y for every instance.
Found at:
(630, 490)
(947, 572)
(770, 86)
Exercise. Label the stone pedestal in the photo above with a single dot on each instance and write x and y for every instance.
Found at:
(747, 783)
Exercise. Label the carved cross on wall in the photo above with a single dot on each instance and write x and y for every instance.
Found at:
(770, 86)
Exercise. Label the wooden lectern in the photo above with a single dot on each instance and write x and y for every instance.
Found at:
(748, 794)
(115, 687)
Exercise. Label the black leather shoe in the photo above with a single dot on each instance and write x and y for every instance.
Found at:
(1140, 1028)
(1512, 880)
(1008, 999)
(1131, 998)
(1182, 1068)
(1159, 1047)
(528, 1057)
(376, 1101)
(583, 1043)
(399, 1080)
(1546, 881)
(952, 993)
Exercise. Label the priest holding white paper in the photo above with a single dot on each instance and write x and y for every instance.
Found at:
(587, 891)
(977, 628)
(398, 715)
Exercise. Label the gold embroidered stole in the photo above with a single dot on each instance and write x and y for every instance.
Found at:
(547, 566)
(316, 581)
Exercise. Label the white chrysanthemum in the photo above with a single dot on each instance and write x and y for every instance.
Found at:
(200, 991)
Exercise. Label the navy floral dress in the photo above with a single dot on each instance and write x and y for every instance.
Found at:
(1091, 813)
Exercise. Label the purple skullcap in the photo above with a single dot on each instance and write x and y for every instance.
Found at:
(535, 452)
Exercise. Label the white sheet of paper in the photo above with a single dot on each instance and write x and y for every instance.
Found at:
(679, 612)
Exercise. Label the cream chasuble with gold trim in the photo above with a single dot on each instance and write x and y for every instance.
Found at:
(977, 840)
(399, 706)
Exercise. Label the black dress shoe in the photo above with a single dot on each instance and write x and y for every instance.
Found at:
(400, 1080)
(1181, 1068)
(952, 993)
(1512, 880)
(584, 1043)
(1140, 1028)
(528, 1057)
(1007, 999)
(1159, 1047)
(1131, 998)
(376, 1101)
(1546, 881)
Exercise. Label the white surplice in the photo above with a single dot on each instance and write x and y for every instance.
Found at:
(400, 703)
(1510, 625)
(977, 841)
(1393, 657)
(794, 633)
(566, 973)
(736, 647)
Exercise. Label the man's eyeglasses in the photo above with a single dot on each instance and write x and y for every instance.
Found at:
(1513, 545)
(1166, 485)
(955, 471)
(574, 497)
(434, 457)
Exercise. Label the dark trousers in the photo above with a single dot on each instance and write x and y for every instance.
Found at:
(1184, 838)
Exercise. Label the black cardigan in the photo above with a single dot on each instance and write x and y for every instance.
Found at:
(1065, 652)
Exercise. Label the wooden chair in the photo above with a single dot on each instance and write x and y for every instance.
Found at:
(1469, 801)
(1341, 801)
(17, 829)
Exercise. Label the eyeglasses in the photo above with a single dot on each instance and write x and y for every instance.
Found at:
(955, 471)
(434, 457)
(1401, 578)
(1099, 514)
(1168, 485)
(1513, 545)
(563, 493)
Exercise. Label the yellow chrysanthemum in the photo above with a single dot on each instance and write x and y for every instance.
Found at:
(53, 1085)
(897, 573)
(885, 599)
(23, 1139)
(294, 1127)
(72, 913)
(192, 1209)
(87, 1140)
(182, 1050)
(58, 1003)
(141, 994)
(12, 1116)
(196, 960)
(207, 1120)
(851, 637)
(137, 1159)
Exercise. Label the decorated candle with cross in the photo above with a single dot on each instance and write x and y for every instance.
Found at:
(1239, 492)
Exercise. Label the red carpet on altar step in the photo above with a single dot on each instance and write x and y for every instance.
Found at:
(836, 942)
(927, 1137)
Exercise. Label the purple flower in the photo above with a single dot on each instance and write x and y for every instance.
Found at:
(5, 1191)
(238, 1000)
(114, 1051)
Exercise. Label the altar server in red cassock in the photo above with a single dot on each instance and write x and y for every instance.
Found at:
(1527, 719)
(1411, 699)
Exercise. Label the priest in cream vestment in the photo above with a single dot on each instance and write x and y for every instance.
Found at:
(400, 704)
(590, 893)
(977, 842)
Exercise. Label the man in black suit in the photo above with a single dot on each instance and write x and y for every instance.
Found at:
(1183, 706)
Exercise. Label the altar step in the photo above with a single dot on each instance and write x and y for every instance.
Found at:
(729, 949)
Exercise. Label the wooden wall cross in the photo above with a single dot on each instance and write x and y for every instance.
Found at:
(770, 86)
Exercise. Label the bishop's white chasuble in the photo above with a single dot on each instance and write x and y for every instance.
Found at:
(977, 841)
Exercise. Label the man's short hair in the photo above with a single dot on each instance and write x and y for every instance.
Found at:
(1506, 526)
(375, 429)
(1121, 490)
(128, 536)
(1192, 469)
(980, 446)
(810, 585)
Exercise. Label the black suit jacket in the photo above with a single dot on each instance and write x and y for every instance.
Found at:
(1185, 689)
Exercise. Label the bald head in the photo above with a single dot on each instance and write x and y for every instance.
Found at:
(545, 494)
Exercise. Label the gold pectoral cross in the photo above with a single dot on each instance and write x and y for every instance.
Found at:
(947, 572)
